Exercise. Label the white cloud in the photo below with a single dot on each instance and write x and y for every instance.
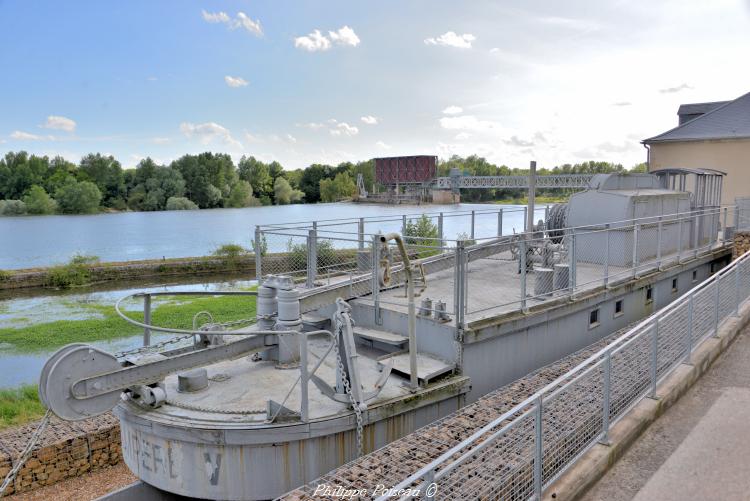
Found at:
(26, 136)
(312, 125)
(207, 132)
(451, 39)
(462, 136)
(344, 129)
(242, 20)
(453, 110)
(317, 41)
(291, 138)
(313, 42)
(216, 17)
(235, 81)
(59, 123)
(344, 36)
(245, 22)
(370, 120)
(160, 140)
(672, 90)
(381, 144)
(467, 122)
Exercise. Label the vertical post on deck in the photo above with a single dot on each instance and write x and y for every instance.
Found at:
(696, 237)
(312, 258)
(679, 237)
(635, 249)
(258, 254)
(522, 260)
(654, 356)
(525, 219)
(361, 234)
(403, 225)
(659, 228)
(607, 231)
(538, 449)
(473, 220)
(737, 289)
(724, 225)
(572, 261)
(546, 213)
(689, 333)
(304, 376)
(532, 196)
(459, 287)
(376, 277)
(606, 401)
(440, 230)
(147, 319)
(500, 223)
(717, 278)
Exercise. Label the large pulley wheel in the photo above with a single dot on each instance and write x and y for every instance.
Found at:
(71, 364)
(44, 375)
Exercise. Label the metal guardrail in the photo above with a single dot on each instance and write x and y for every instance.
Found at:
(496, 273)
(524, 450)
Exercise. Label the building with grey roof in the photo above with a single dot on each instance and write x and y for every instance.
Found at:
(712, 135)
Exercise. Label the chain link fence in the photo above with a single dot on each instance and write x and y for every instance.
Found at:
(521, 452)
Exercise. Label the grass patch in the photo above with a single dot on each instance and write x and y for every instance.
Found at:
(20, 405)
(73, 274)
(176, 314)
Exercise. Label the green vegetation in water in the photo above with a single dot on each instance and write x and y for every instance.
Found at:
(230, 254)
(174, 314)
(73, 274)
(421, 234)
(297, 255)
(4, 275)
(19, 405)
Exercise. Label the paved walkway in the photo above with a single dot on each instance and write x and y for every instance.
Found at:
(700, 448)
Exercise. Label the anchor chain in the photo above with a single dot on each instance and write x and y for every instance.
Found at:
(345, 381)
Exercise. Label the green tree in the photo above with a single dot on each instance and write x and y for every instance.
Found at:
(256, 173)
(241, 195)
(78, 197)
(208, 177)
(421, 234)
(310, 180)
(12, 208)
(642, 167)
(284, 193)
(38, 201)
(155, 184)
(339, 188)
(106, 173)
(180, 203)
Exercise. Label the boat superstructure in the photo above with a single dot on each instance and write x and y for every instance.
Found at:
(367, 328)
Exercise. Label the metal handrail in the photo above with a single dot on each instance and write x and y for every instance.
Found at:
(566, 379)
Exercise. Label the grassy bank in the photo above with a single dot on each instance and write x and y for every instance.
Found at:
(176, 313)
(19, 406)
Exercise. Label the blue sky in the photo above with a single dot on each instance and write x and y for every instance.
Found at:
(513, 81)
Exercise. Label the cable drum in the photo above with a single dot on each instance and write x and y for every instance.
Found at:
(556, 221)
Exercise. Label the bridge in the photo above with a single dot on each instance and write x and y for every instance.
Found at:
(549, 181)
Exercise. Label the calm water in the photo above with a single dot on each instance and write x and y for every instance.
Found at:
(31, 241)
(23, 368)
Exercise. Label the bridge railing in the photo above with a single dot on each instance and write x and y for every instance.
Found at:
(518, 454)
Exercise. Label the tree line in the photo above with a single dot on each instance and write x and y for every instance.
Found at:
(31, 184)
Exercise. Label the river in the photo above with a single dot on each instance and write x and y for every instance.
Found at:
(37, 241)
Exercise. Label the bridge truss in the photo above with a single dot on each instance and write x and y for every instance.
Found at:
(552, 181)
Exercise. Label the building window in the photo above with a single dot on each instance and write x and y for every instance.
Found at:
(695, 276)
(619, 308)
(674, 285)
(594, 318)
(649, 294)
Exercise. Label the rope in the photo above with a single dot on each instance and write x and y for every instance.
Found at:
(26, 452)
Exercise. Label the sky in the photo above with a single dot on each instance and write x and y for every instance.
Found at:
(328, 81)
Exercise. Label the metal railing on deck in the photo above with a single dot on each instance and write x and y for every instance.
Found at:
(494, 268)
(518, 454)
